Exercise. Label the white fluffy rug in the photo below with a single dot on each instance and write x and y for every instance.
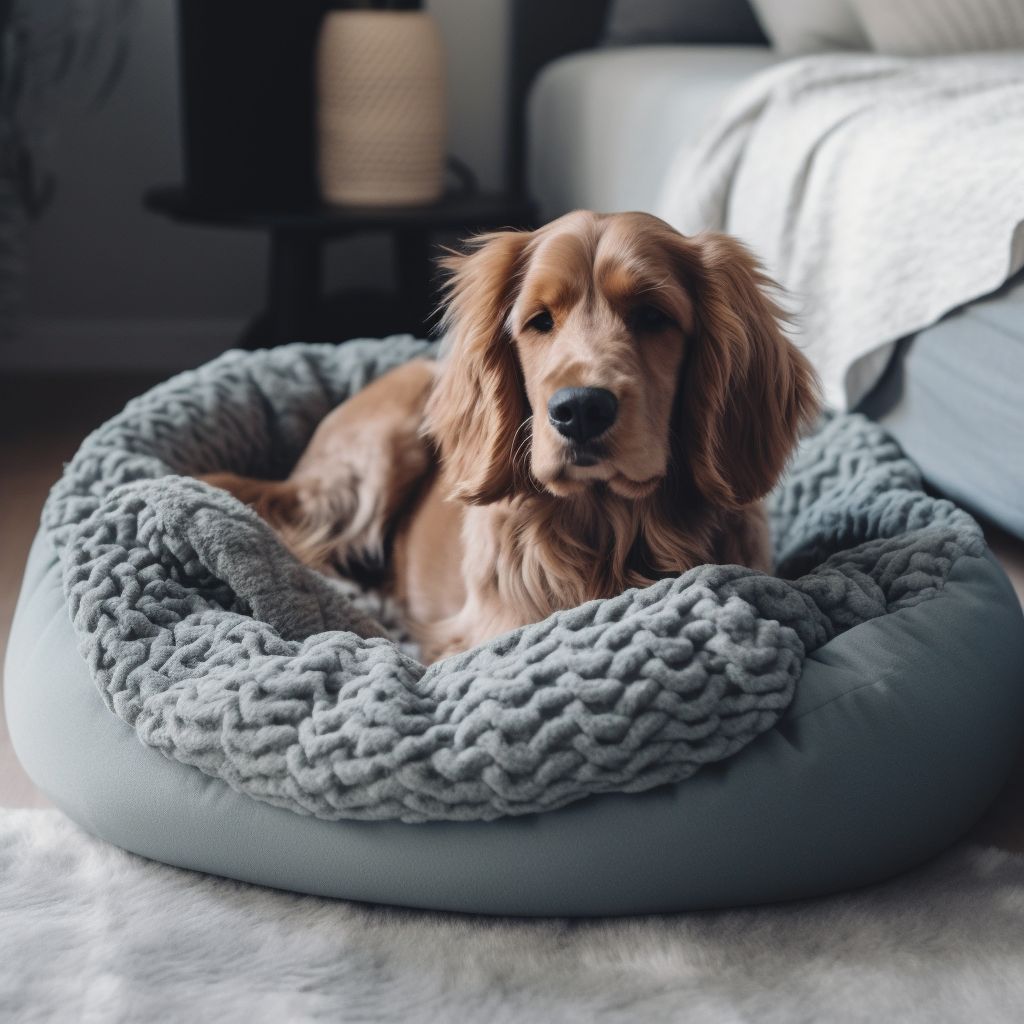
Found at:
(90, 933)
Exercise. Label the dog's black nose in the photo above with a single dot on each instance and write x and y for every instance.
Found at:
(582, 413)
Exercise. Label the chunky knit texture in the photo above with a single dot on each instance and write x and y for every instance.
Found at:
(205, 634)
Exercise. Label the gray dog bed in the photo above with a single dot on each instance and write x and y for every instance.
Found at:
(215, 648)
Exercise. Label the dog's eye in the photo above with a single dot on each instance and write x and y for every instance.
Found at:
(649, 320)
(543, 322)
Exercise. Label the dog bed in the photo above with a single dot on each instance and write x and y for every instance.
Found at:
(873, 698)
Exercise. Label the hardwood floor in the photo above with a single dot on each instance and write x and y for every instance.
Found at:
(43, 419)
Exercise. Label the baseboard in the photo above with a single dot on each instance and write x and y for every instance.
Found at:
(104, 345)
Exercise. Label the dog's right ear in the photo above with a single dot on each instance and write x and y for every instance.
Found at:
(748, 391)
(477, 404)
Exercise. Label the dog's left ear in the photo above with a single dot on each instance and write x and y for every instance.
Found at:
(748, 390)
(477, 406)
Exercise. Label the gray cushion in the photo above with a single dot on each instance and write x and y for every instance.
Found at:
(632, 22)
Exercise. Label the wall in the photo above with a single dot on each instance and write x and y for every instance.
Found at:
(111, 285)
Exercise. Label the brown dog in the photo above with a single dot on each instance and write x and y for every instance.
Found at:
(613, 402)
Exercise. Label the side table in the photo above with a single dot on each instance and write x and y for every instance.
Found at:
(296, 309)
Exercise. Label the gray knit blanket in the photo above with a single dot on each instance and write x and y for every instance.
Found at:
(204, 633)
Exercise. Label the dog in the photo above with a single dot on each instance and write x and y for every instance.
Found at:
(612, 402)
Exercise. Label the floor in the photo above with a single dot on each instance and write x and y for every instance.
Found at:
(43, 419)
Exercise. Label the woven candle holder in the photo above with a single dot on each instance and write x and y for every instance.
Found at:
(381, 108)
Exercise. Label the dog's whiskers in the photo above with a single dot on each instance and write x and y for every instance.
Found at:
(520, 447)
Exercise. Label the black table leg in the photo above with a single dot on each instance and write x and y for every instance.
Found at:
(294, 285)
(415, 274)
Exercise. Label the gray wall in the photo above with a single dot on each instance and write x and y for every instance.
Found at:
(111, 285)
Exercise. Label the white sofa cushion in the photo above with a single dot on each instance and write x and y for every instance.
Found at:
(811, 26)
(933, 27)
(602, 125)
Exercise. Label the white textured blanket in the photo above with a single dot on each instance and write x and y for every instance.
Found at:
(881, 192)
(90, 933)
